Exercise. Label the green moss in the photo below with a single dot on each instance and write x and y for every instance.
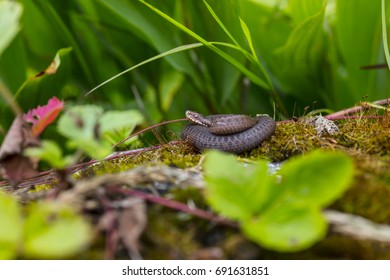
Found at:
(369, 195)
(42, 187)
(177, 154)
(368, 135)
(290, 138)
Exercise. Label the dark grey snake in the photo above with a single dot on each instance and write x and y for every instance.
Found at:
(229, 133)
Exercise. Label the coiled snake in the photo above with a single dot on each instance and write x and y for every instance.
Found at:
(230, 133)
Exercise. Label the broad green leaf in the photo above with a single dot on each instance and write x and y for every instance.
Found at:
(11, 226)
(287, 228)
(54, 231)
(235, 190)
(115, 120)
(149, 28)
(317, 178)
(359, 43)
(80, 122)
(10, 13)
(81, 125)
(50, 152)
(300, 57)
(117, 125)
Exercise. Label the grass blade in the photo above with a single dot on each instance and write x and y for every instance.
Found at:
(218, 20)
(161, 55)
(384, 35)
(252, 76)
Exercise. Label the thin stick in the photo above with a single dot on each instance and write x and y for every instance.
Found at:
(356, 109)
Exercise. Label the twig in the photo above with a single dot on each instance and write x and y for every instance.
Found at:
(148, 128)
(357, 227)
(356, 109)
(175, 205)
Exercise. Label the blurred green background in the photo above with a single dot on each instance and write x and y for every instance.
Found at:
(259, 56)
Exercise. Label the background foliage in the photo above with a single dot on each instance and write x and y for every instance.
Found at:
(266, 54)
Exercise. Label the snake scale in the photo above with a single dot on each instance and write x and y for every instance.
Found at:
(230, 133)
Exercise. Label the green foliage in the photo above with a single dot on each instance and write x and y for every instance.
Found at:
(88, 129)
(114, 126)
(11, 226)
(294, 53)
(47, 230)
(280, 211)
(91, 130)
(54, 231)
(50, 152)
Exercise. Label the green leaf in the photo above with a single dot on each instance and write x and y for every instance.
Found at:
(50, 152)
(10, 13)
(235, 190)
(300, 10)
(54, 231)
(302, 55)
(80, 122)
(81, 125)
(248, 36)
(117, 125)
(317, 178)
(282, 211)
(359, 44)
(116, 120)
(149, 28)
(11, 226)
(287, 228)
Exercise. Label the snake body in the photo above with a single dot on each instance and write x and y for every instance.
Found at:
(230, 133)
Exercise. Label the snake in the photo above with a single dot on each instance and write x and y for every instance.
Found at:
(227, 132)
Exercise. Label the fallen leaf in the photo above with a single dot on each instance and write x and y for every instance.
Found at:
(14, 165)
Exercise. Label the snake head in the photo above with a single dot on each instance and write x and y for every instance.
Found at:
(197, 118)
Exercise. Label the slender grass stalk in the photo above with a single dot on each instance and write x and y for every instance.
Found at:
(259, 81)
(7, 95)
(384, 35)
(220, 23)
(161, 55)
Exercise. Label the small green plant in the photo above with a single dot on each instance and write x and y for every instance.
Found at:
(46, 230)
(89, 130)
(280, 211)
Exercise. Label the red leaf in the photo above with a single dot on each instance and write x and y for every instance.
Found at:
(42, 116)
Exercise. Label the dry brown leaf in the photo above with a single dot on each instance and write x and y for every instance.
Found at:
(14, 165)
